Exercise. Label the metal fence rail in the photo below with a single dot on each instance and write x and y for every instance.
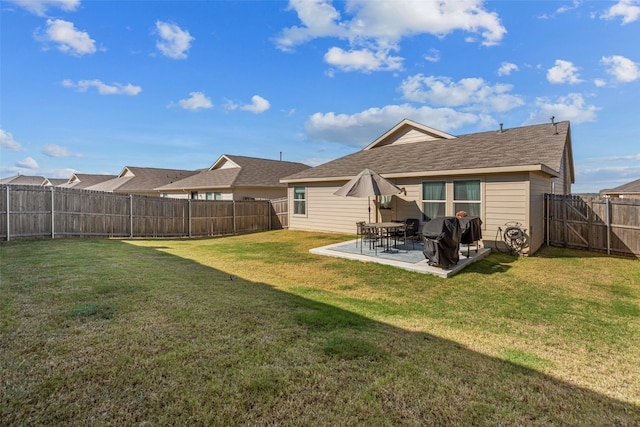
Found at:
(34, 211)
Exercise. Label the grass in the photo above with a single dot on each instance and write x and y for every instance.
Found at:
(254, 329)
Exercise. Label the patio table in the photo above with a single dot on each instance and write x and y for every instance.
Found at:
(387, 231)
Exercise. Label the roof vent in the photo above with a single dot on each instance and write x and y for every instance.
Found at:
(552, 120)
(501, 129)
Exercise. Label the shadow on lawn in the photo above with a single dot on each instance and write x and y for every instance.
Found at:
(223, 350)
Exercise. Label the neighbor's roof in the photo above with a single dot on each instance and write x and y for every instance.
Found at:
(632, 187)
(84, 180)
(536, 147)
(134, 179)
(25, 180)
(239, 171)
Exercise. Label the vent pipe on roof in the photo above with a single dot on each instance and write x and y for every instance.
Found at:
(501, 129)
(552, 120)
(281, 156)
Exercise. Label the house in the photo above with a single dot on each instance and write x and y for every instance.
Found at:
(141, 181)
(235, 178)
(85, 180)
(630, 190)
(25, 180)
(500, 176)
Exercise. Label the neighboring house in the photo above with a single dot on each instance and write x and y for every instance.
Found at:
(84, 180)
(235, 178)
(142, 181)
(630, 190)
(25, 180)
(500, 176)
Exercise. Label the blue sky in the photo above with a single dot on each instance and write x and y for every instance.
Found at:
(93, 86)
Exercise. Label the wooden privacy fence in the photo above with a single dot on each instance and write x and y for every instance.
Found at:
(33, 211)
(610, 225)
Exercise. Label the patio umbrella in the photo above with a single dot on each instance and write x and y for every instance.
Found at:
(366, 184)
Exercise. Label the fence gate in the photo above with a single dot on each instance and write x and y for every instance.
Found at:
(607, 225)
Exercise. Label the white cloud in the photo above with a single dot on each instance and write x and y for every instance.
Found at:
(69, 39)
(361, 128)
(629, 10)
(473, 93)
(102, 88)
(53, 150)
(599, 83)
(174, 42)
(565, 8)
(433, 55)
(563, 72)
(623, 69)
(27, 163)
(40, 7)
(374, 28)
(197, 101)
(7, 141)
(258, 105)
(572, 107)
(506, 68)
(319, 20)
(363, 60)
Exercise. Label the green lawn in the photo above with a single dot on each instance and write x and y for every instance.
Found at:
(254, 329)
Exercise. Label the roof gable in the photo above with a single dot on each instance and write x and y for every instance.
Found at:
(224, 162)
(407, 132)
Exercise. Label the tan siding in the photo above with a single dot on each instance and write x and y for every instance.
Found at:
(539, 185)
(259, 193)
(411, 136)
(328, 212)
(504, 203)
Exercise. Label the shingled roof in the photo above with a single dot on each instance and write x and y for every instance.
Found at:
(84, 180)
(629, 188)
(25, 180)
(537, 147)
(238, 171)
(135, 179)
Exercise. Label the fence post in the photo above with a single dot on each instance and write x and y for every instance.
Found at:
(53, 214)
(269, 206)
(189, 213)
(234, 217)
(547, 202)
(565, 213)
(608, 207)
(8, 210)
(131, 216)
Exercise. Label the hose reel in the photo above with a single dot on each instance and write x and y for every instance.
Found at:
(514, 237)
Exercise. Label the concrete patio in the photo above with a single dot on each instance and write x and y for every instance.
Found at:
(407, 256)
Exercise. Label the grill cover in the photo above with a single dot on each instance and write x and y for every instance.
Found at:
(442, 241)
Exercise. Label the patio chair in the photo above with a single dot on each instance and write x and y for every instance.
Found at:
(412, 232)
(359, 231)
(370, 235)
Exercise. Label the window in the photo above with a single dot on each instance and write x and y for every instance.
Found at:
(217, 195)
(209, 195)
(299, 200)
(466, 197)
(434, 199)
(194, 195)
(385, 202)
